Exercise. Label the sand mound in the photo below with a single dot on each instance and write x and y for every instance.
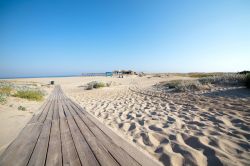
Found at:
(176, 128)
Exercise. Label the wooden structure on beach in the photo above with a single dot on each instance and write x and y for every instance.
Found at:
(62, 133)
(124, 72)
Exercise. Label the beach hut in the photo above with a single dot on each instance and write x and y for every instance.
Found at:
(109, 74)
(123, 72)
(127, 72)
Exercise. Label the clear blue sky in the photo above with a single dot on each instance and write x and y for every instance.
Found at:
(71, 37)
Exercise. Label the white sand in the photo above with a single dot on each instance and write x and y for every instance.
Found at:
(177, 129)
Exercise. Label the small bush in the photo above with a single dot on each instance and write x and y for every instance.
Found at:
(225, 79)
(6, 90)
(30, 94)
(184, 85)
(95, 84)
(3, 98)
(21, 108)
(99, 85)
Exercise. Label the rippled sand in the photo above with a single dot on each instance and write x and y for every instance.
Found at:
(177, 129)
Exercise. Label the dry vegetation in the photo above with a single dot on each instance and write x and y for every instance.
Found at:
(30, 92)
(205, 83)
(95, 85)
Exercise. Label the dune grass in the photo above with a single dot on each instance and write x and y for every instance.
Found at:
(184, 85)
(5, 91)
(95, 85)
(99, 85)
(202, 75)
(199, 75)
(35, 95)
(208, 82)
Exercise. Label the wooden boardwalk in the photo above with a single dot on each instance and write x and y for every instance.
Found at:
(62, 133)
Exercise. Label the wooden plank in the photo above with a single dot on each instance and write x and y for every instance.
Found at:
(99, 150)
(70, 156)
(39, 154)
(56, 111)
(61, 112)
(69, 153)
(44, 113)
(54, 156)
(85, 154)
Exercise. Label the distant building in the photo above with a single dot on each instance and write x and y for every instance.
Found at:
(124, 72)
(109, 74)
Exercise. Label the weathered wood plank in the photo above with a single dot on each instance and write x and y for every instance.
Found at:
(54, 156)
(70, 156)
(99, 150)
(39, 154)
(69, 153)
(85, 154)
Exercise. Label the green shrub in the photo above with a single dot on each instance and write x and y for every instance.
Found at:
(30, 94)
(3, 98)
(99, 85)
(21, 108)
(95, 84)
(184, 85)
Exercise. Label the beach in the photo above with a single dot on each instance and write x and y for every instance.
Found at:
(208, 128)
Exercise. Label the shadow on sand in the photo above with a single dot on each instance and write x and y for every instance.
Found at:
(230, 93)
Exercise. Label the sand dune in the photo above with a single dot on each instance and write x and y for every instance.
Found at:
(177, 129)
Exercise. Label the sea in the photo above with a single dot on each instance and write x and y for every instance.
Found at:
(50, 76)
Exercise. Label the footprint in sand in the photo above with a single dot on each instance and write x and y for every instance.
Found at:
(154, 128)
